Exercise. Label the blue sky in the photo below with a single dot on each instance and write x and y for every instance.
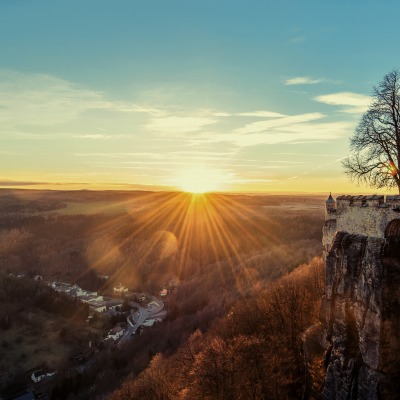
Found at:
(255, 96)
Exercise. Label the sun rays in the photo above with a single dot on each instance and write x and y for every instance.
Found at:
(208, 230)
(200, 180)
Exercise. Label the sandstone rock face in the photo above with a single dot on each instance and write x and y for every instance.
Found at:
(361, 314)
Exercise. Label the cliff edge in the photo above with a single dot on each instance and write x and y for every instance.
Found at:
(361, 316)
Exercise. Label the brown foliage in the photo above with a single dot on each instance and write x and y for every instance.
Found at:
(255, 352)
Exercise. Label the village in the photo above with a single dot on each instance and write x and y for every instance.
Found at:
(132, 310)
(144, 309)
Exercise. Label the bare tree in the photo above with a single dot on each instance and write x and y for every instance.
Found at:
(376, 141)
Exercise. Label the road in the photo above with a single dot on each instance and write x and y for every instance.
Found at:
(153, 310)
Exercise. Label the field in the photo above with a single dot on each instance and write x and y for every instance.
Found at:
(37, 338)
(31, 344)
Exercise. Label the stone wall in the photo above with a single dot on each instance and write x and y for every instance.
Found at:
(365, 215)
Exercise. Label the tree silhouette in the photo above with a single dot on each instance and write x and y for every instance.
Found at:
(376, 141)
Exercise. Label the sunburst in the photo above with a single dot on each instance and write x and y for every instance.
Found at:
(200, 180)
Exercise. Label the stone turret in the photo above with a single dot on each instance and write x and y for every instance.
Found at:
(330, 206)
(329, 228)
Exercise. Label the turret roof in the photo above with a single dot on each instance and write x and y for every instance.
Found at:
(330, 199)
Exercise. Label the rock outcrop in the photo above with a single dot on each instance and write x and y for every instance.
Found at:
(361, 315)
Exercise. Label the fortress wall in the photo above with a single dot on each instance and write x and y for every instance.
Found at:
(365, 220)
(328, 233)
(363, 215)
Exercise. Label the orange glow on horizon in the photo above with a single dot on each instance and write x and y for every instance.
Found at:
(199, 180)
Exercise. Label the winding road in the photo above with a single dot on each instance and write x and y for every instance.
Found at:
(155, 309)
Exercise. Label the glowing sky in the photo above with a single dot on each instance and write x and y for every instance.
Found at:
(263, 94)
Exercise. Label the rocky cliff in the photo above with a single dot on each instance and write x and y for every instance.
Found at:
(361, 316)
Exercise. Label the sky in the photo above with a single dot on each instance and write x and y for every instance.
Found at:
(254, 96)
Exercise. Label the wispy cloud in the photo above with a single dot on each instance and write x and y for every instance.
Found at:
(253, 180)
(291, 133)
(157, 139)
(42, 99)
(303, 80)
(11, 183)
(261, 126)
(317, 167)
(46, 101)
(308, 154)
(255, 114)
(262, 114)
(99, 136)
(173, 157)
(178, 125)
(352, 103)
(120, 155)
(221, 114)
(152, 111)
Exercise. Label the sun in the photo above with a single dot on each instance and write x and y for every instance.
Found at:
(199, 180)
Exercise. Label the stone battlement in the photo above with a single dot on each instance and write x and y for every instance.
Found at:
(367, 201)
(374, 216)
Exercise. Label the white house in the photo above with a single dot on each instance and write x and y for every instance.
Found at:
(98, 306)
(116, 332)
(113, 304)
(61, 287)
(90, 296)
(148, 322)
(41, 374)
(78, 290)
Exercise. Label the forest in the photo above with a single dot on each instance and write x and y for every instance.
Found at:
(256, 351)
(238, 297)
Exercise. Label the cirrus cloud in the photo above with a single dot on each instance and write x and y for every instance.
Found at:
(352, 103)
(260, 126)
(303, 80)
